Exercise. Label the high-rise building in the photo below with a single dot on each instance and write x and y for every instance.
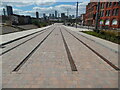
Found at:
(44, 15)
(9, 10)
(58, 15)
(50, 15)
(4, 12)
(37, 15)
(70, 17)
(55, 14)
(62, 15)
(73, 16)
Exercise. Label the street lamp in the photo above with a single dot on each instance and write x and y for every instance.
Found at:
(76, 14)
(68, 11)
(67, 14)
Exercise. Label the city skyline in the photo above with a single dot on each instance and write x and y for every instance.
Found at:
(60, 7)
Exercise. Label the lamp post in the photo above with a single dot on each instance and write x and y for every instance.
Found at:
(76, 14)
(66, 19)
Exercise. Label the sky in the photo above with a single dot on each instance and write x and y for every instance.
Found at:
(29, 7)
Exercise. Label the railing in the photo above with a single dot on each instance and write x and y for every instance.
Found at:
(100, 28)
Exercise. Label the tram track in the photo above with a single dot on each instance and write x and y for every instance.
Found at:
(23, 42)
(17, 68)
(6, 43)
(70, 58)
(98, 54)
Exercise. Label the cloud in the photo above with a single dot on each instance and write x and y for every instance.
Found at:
(22, 3)
(62, 8)
(1, 10)
(82, 7)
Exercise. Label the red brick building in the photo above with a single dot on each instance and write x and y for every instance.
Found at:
(109, 14)
(82, 18)
(90, 12)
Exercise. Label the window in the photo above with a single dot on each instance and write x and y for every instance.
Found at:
(114, 22)
(101, 22)
(107, 4)
(108, 13)
(107, 22)
(115, 3)
(101, 13)
(110, 4)
(102, 5)
(115, 12)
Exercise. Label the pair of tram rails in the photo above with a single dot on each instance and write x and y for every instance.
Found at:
(71, 61)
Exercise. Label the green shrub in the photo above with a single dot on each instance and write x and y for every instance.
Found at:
(107, 35)
(43, 24)
(37, 23)
(40, 24)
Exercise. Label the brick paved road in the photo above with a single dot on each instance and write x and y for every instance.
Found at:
(49, 66)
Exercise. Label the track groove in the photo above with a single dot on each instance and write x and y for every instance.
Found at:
(71, 61)
(30, 54)
(103, 58)
(21, 38)
(21, 43)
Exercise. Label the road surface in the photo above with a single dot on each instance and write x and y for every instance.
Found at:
(58, 58)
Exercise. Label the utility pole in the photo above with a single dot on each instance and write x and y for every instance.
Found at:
(97, 16)
(76, 14)
(67, 12)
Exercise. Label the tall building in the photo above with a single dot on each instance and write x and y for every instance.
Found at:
(70, 17)
(55, 14)
(4, 12)
(44, 16)
(58, 15)
(109, 14)
(62, 15)
(50, 15)
(90, 15)
(9, 10)
(37, 15)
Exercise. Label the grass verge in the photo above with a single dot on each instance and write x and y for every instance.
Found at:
(112, 36)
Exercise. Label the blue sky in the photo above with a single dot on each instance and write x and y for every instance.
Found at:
(24, 7)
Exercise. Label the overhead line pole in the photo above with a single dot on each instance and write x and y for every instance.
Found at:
(76, 14)
(67, 12)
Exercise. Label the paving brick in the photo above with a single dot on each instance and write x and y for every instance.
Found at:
(49, 66)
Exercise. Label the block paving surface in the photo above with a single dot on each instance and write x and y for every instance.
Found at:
(49, 66)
